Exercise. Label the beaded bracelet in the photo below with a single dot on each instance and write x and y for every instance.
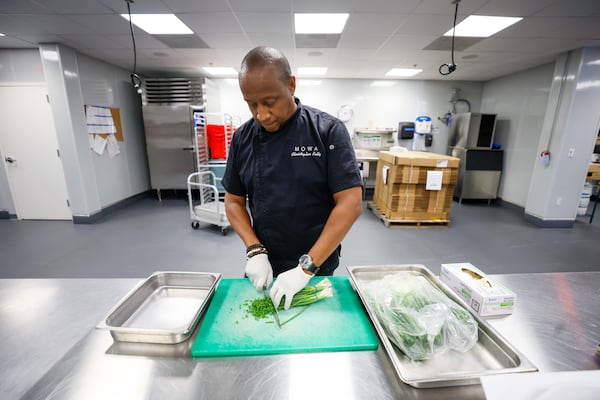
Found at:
(255, 252)
(254, 246)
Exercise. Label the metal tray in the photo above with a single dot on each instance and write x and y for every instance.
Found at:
(165, 308)
(491, 355)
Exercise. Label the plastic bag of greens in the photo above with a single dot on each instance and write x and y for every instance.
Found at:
(418, 318)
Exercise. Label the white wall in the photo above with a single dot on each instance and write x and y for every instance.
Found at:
(16, 67)
(572, 124)
(520, 102)
(93, 182)
(381, 106)
(126, 174)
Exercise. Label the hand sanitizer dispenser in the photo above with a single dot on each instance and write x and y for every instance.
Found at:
(422, 129)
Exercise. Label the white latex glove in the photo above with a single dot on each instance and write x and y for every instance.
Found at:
(288, 283)
(259, 271)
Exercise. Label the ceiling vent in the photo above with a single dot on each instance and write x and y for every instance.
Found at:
(460, 43)
(317, 41)
(172, 90)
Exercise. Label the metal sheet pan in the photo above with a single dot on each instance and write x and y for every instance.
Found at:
(164, 308)
(491, 355)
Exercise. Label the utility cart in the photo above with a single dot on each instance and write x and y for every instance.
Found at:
(204, 201)
(212, 137)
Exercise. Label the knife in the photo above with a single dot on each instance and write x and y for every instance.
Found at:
(275, 314)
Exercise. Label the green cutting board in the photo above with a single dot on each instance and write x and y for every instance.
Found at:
(338, 323)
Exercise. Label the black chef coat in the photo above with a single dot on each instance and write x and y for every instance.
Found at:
(289, 177)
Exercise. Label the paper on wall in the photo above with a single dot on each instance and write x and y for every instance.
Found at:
(99, 120)
(112, 146)
(434, 180)
(99, 144)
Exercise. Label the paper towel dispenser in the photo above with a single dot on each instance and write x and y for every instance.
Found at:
(406, 130)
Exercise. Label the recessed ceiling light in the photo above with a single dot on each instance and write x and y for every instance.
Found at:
(482, 26)
(159, 24)
(382, 83)
(220, 70)
(309, 82)
(312, 70)
(320, 23)
(403, 72)
(2, 34)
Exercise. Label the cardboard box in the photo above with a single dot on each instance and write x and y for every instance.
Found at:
(405, 188)
(594, 172)
(486, 297)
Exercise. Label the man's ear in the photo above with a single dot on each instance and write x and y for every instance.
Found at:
(292, 84)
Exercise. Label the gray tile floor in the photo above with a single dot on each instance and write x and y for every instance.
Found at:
(149, 236)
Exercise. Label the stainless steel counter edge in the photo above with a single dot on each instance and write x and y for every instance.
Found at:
(58, 354)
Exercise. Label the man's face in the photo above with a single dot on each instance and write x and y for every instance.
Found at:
(270, 100)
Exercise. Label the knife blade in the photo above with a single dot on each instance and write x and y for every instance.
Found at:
(275, 313)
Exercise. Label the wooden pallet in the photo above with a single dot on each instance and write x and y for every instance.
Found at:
(407, 223)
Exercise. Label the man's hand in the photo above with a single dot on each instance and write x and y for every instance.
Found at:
(288, 283)
(259, 271)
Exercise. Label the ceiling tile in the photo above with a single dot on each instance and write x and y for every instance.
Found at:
(138, 7)
(261, 5)
(280, 23)
(23, 7)
(317, 41)
(226, 40)
(513, 8)
(465, 7)
(195, 6)
(571, 8)
(13, 42)
(102, 24)
(36, 24)
(361, 41)
(267, 39)
(213, 22)
(426, 25)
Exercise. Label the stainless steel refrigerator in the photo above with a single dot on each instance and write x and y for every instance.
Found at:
(168, 123)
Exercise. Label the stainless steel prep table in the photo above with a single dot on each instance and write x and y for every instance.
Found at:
(556, 325)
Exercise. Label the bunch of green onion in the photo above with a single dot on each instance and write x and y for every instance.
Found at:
(262, 307)
(310, 294)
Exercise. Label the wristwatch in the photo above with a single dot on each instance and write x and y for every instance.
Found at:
(306, 263)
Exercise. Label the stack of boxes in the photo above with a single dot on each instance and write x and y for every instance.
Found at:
(415, 186)
(594, 172)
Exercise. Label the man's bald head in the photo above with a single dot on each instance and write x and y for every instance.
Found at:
(262, 56)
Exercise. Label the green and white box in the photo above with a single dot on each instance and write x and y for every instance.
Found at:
(486, 297)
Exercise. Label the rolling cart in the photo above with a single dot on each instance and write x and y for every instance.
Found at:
(208, 207)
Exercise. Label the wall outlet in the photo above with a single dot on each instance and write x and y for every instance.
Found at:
(571, 153)
(558, 201)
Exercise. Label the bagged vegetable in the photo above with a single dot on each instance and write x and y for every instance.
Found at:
(418, 318)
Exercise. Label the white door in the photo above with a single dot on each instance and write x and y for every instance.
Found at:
(30, 154)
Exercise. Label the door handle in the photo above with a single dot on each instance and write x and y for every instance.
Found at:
(9, 160)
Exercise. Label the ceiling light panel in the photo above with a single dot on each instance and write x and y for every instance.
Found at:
(382, 83)
(320, 23)
(482, 26)
(403, 72)
(222, 71)
(159, 24)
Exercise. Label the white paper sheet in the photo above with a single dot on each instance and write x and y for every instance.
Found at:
(580, 385)
(112, 146)
(434, 180)
(99, 120)
(99, 144)
(384, 174)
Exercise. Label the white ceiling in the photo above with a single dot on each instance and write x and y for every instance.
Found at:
(379, 34)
